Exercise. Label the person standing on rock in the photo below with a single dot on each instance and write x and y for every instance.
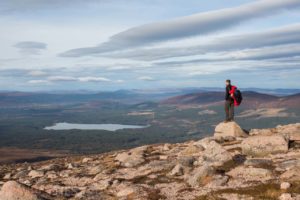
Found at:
(229, 102)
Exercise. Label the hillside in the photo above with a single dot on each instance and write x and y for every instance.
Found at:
(251, 99)
(262, 164)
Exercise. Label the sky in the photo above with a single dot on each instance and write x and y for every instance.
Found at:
(148, 44)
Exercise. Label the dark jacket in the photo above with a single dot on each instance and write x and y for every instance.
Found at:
(227, 94)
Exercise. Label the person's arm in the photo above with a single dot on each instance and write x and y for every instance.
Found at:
(227, 93)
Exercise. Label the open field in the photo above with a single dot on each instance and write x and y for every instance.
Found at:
(12, 154)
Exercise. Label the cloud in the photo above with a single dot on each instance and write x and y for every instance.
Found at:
(38, 82)
(31, 47)
(37, 73)
(284, 35)
(9, 6)
(119, 81)
(265, 53)
(81, 79)
(145, 78)
(93, 79)
(62, 78)
(276, 52)
(188, 26)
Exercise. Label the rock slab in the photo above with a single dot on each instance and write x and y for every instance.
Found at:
(13, 190)
(229, 129)
(264, 145)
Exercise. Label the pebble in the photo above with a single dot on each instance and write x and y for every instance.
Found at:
(285, 185)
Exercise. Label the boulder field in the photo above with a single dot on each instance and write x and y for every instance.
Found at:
(232, 164)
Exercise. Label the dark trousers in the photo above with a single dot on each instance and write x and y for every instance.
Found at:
(229, 110)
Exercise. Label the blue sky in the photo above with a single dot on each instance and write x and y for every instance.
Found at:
(147, 44)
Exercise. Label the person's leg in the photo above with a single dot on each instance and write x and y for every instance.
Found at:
(231, 111)
(227, 104)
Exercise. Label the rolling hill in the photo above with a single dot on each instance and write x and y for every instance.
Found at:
(250, 98)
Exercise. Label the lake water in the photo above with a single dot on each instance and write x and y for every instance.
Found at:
(108, 127)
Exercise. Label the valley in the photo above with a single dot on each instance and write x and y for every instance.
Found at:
(161, 119)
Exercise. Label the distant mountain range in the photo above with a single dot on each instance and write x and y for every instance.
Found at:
(164, 91)
(250, 98)
(164, 96)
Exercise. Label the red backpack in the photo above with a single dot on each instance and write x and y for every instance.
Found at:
(237, 95)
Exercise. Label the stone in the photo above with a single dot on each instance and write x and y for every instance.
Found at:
(285, 185)
(216, 154)
(131, 173)
(7, 176)
(129, 160)
(292, 130)
(51, 175)
(65, 173)
(36, 173)
(70, 166)
(253, 132)
(27, 182)
(51, 167)
(289, 164)
(173, 191)
(132, 158)
(217, 181)
(69, 192)
(177, 170)
(197, 176)
(101, 185)
(125, 192)
(191, 150)
(258, 162)
(163, 157)
(186, 161)
(158, 166)
(166, 147)
(153, 176)
(94, 170)
(251, 173)
(224, 139)
(85, 160)
(229, 129)
(203, 142)
(20, 174)
(139, 150)
(292, 174)
(264, 145)
(13, 190)
(286, 196)
(77, 181)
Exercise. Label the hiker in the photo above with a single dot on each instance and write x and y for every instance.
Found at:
(233, 97)
(229, 102)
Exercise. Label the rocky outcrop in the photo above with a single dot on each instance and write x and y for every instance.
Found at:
(230, 167)
(132, 158)
(292, 174)
(264, 145)
(229, 129)
(251, 173)
(197, 177)
(292, 131)
(12, 190)
(215, 154)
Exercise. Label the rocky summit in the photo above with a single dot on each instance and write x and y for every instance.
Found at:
(232, 164)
